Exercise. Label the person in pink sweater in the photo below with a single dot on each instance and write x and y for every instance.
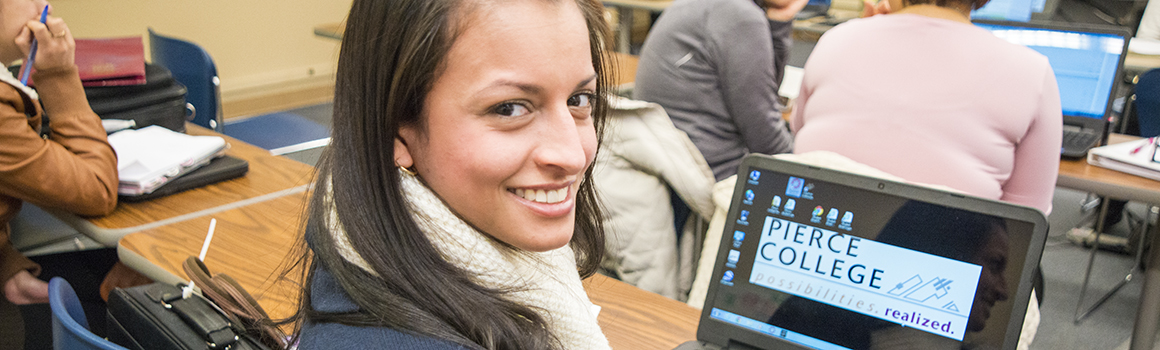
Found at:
(923, 94)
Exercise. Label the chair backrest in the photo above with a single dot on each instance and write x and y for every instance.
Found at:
(70, 329)
(192, 67)
(1148, 103)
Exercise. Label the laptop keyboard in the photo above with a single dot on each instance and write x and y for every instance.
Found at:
(1078, 138)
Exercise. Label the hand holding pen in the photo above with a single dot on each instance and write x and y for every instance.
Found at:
(49, 45)
(29, 61)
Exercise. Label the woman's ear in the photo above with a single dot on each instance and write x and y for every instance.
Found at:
(402, 154)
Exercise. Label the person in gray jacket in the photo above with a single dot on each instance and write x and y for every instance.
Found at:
(715, 67)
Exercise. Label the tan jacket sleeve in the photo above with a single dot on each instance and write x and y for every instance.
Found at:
(74, 169)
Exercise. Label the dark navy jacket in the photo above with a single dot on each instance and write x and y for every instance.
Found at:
(328, 296)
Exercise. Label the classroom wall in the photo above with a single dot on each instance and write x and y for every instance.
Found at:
(261, 47)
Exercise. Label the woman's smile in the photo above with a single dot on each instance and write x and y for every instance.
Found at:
(542, 196)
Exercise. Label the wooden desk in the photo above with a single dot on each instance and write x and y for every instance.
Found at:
(260, 236)
(635, 319)
(1077, 174)
(269, 177)
(625, 68)
(249, 244)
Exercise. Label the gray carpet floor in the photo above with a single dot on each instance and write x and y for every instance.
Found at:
(1108, 327)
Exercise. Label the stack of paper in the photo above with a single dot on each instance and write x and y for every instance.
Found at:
(149, 157)
(1134, 157)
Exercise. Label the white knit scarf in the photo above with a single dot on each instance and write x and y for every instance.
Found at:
(547, 282)
(7, 77)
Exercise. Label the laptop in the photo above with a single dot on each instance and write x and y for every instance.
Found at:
(813, 9)
(1087, 62)
(1009, 10)
(814, 258)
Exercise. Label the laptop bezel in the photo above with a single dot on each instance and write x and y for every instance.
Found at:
(712, 331)
(1099, 125)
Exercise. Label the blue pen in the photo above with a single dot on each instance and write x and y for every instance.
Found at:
(24, 73)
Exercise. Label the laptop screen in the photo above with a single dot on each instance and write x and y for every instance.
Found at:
(1009, 10)
(1085, 63)
(826, 265)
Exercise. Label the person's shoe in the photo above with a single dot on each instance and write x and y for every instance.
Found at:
(1085, 237)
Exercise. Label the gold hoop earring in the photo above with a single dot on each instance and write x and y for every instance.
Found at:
(408, 171)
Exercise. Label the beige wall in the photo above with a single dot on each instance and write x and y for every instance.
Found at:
(260, 47)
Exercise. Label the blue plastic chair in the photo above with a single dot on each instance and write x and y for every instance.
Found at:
(70, 328)
(192, 67)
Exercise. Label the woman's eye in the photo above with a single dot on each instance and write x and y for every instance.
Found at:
(510, 109)
(580, 100)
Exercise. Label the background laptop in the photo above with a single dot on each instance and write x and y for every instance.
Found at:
(1010, 10)
(1087, 62)
(816, 258)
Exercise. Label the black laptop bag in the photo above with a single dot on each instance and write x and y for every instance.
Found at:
(160, 101)
(156, 316)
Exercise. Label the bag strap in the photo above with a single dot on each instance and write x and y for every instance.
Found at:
(256, 317)
(236, 302)
(199, 315)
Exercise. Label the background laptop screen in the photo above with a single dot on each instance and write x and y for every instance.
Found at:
(835, 267)
(1085, 63)
(1009, 10)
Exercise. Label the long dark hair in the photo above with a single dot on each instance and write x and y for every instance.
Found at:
(392, 53)
(972, 4)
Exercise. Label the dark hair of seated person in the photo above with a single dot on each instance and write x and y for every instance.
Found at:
(973, 4)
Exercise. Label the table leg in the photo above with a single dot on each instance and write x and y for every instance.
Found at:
(624, 32)
(1144, 333)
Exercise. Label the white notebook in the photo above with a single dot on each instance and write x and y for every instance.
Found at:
(1137, 158)
(148, 157)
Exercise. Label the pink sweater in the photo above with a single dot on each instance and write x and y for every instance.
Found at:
(934, 101)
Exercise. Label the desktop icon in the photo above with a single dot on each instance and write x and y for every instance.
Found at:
(833, 215)
(795, 186)
(748, 195)
(738, 236)
(744, 216)
(728, 276)
(754, 175)
(734, 256)
(790, 204)
(818, 211)
(776, 202)
(847, 219)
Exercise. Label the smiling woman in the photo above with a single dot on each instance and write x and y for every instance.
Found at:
(454, 206)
